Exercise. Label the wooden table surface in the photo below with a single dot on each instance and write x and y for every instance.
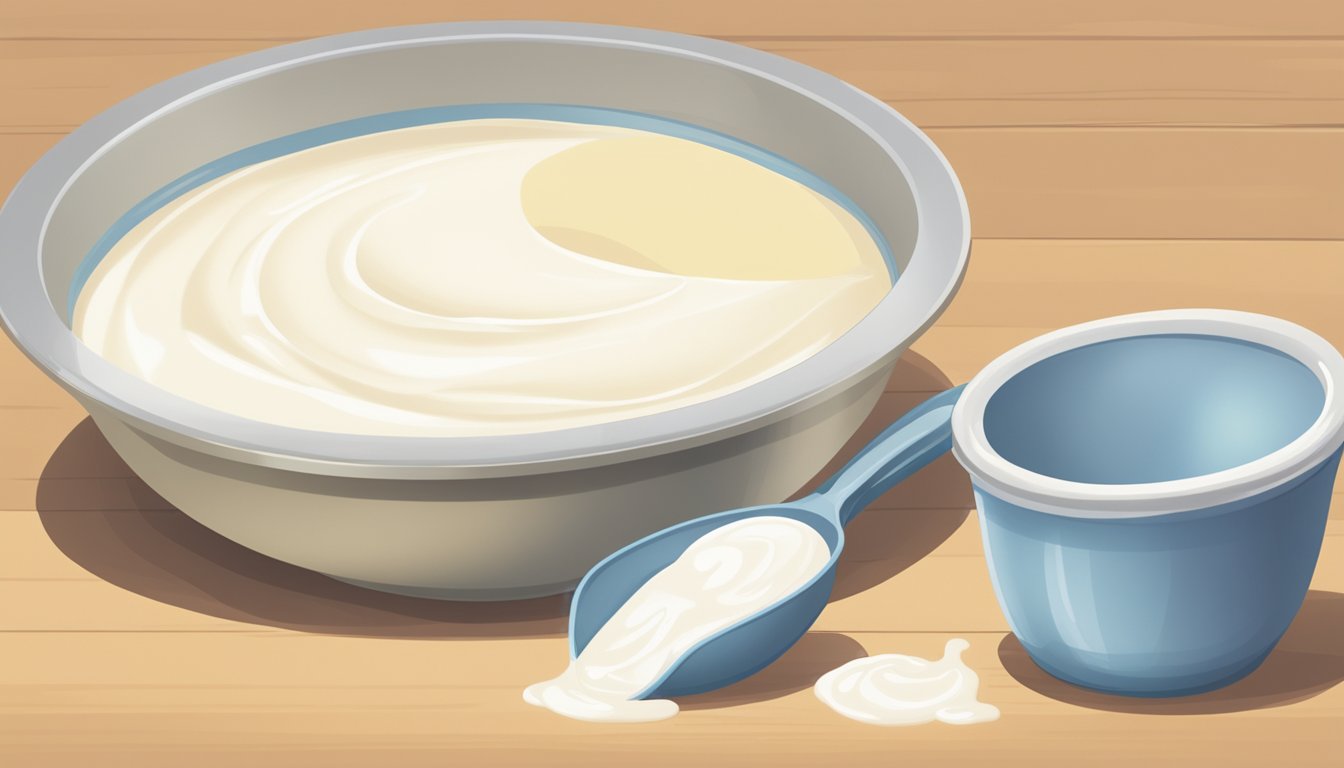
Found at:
(1118, 157)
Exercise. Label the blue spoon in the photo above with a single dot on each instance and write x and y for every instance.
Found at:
(741, 650)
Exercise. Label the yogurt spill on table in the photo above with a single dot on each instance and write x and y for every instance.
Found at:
(893, 689)
(725, 576)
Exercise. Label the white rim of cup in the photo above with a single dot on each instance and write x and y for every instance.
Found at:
(1022, 487)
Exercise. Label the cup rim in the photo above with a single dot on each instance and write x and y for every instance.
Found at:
(1023, 487)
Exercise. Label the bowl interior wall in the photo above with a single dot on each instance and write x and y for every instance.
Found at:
(260, 106)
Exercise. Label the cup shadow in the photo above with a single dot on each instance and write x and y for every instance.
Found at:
(815, 654)
(108, 521)
(1307, 661)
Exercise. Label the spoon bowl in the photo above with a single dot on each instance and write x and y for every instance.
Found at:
(749, 645)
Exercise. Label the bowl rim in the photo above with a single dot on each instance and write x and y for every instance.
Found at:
(934, 271)
(1025, 488)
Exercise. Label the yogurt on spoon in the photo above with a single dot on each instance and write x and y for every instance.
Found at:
(725, 576)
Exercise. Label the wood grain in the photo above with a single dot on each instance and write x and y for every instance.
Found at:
(937, 83)
(1117, 157)
(138, 570)
(1104, 183)
(271, 19)
(1161, 183)
(227, 697)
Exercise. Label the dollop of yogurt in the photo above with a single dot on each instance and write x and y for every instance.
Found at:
(723, 577)
(893, 689)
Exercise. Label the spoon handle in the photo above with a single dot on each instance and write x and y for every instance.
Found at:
(917, 438)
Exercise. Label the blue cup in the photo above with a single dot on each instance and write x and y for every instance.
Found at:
(1153, 491)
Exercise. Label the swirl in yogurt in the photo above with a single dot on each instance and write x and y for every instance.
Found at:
(480, 277)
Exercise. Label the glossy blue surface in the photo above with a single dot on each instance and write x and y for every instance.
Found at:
(732, 654)
(1151, 408)
(1157, 606)
(1169, 604)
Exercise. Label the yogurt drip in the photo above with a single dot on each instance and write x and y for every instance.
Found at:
(725, 576)
(892, 689)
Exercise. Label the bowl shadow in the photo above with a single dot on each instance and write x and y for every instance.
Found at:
(815, 654)
(108, 521)
(1307, 661)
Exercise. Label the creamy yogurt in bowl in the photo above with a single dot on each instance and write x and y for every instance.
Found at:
(489, 512)
(480, 276)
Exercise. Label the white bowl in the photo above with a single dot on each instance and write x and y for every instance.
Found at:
(483, 517)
